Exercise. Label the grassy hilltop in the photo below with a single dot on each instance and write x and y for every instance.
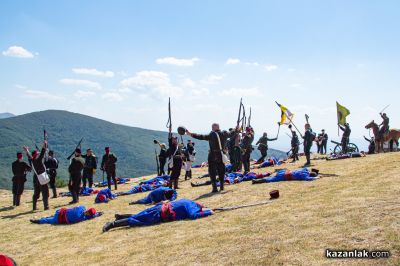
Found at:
(360, 208)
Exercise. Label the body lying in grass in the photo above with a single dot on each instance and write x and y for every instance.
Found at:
(149, 185)
(104, 196)
(158, 195)
(163, 212)
(234, 178)
(290, 175)
(69, 216)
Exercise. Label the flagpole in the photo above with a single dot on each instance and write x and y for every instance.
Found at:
(294, 125)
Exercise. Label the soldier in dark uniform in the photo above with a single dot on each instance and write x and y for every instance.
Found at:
(51, 164)
(175, 155)
(19, 169)
(263, 146)
(324, 141)
(247, 148)
(108, 164)
(75, 175)
(295, 143)
(162, 158)
(216, 165)
(345, 137)
(384, 126)
(371, 146)
(90, 167)
(308, 137)
(36, 161)
(189, 159)
(236, 159)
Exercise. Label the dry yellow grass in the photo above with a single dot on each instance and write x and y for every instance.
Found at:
(358, 209)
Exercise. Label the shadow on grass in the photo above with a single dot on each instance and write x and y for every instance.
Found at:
(211, 194)
(9, 208)
(16, 215)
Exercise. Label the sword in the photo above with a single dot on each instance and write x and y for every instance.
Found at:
(384, 108)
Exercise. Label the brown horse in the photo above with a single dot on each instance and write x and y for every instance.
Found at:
(393, 135)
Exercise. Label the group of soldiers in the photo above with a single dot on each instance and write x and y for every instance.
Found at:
(238, 145)
(81, 170)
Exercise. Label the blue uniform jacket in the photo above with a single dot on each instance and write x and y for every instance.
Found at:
(74, 215)
(157, 196)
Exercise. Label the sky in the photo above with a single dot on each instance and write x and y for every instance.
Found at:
(121, 60)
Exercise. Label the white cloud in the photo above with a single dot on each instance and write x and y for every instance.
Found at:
(252, 64)
(22, 87)
(271, 67)
(18, 51)
(188, 83)
(81, 83)
(232, 61)
(213, 79)
(112, 97)
(84, 94)
(156, 83)
(240, 92)
(200, 92)
(295, 85)
(124, 90)
(36, 94)
(176, 61)
(93, 72)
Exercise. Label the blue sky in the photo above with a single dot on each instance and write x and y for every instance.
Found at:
(120, 60)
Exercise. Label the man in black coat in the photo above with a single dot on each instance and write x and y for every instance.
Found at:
(175, 156)
(36, 161)
(345, 137)
(247, 148)
(75, 175)
(309, 137)
(108, 164)
(217, 141)
(19, 169)
(89, 168)
(51, 164)
(295, 143)
(263, 146)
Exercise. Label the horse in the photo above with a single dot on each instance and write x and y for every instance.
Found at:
(393, 135)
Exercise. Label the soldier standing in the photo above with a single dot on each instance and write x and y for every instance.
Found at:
(90, 167)
(75, 175)
(51, 164)
(247, 148)
(345, 137)
(19, 169)
(263, 146)
(217, 141)
(108, 164)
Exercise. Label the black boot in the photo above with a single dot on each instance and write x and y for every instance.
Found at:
(34, 207)
(73, 197)
(46, 203)
(176, 183)
(115, 185)
(54, 193)
(221, 184)
(190, 174)
(186, 175)
(15, 200)
(122, 216)
(257, 181)
(118, 223)
(34, 221)
(18, 200)
(214, 187)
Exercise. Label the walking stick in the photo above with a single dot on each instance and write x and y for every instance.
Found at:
(242, 206)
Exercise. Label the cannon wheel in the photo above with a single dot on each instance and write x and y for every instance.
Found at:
(338, 149)
(352, 147)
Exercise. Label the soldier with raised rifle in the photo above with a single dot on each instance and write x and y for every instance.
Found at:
(51, 164)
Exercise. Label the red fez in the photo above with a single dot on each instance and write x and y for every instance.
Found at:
(92, 211)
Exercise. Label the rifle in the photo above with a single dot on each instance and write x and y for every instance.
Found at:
(244, 119)
(249, 120)
(158, 163)
(77, 146)
(239, 114)
(169, 122)
(34, 143)
(45, 138)
(241, 206)
(307, 117)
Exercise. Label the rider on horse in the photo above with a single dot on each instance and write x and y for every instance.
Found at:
(384, 126)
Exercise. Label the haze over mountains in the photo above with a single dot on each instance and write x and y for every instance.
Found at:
(133, 146)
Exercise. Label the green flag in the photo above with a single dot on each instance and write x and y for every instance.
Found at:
(342, 113)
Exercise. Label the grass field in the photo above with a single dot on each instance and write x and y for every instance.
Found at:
(360, 209)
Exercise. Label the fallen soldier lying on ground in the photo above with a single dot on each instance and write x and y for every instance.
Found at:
(84, 191)
(104, 196)
(290, 175)
(345, 156)
(203, 164)
(234, 178)
(69, 216)
(164, 212)
(269, 162)
(158, 195)
(149, 185)
(120, 180)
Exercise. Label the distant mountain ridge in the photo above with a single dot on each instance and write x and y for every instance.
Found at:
(133, 146)
(6, 115)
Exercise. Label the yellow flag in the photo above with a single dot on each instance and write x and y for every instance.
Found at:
(342, 113)
(285, 115)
